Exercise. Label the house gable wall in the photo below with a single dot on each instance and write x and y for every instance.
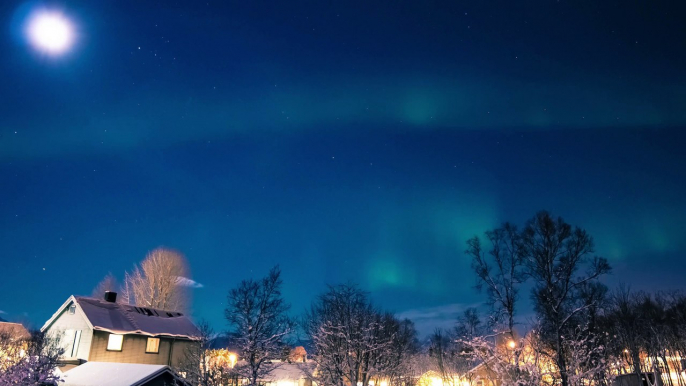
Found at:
(64, 327)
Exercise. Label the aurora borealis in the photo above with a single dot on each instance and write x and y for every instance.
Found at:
(346, 141)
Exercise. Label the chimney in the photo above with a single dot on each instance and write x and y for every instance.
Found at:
(110, 296)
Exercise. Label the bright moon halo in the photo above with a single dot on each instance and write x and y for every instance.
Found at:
(50, 32)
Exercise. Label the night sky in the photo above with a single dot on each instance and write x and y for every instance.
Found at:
(358, 141)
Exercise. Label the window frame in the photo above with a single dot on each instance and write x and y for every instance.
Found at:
(121, 342)
(74, 351)
(147, 344)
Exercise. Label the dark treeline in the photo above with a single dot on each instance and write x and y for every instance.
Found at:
(582, 333)
(647, 332)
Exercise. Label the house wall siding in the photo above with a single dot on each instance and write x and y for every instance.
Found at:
(133, 350)
(179, 351)
(66, 321)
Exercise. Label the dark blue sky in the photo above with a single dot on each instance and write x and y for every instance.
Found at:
(347, 141)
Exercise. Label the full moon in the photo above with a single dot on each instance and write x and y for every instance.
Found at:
(50, 32)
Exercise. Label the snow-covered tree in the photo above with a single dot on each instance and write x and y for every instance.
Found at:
(395, 363)
(256, 312)
(354, 342)
(504, 361)
(555, 253)
(447, 358)
(587, 361)
(29, 361)
(568, 345)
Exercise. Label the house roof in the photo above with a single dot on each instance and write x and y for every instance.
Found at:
(289, 371)
(119, 318)
(113, 374)
(14, 330)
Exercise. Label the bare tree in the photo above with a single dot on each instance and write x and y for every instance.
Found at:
(399, 363)
(451, 351)
(585, 357)
(469, 324)
(256, 311)
(354, 342)
(648, 334)
(446, 357)
(500, 270)
(555, 252)
(108, 283)
(156, 282)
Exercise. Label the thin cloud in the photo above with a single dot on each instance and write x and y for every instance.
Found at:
(428, 319)
(186, 282)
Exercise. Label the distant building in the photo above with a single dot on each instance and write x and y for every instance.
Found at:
(13, 342)
(101, 330)
(480, 375)
(14, 331)
(289, 374)
(293, 369)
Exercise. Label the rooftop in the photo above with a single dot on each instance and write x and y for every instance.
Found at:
(120, 318)
(14, 330)
(112, 374)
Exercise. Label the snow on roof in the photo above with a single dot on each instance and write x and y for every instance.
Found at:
(14, 330)
(111, 374)
(289, 371)
(119, 318)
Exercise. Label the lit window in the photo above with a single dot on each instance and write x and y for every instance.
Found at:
(72, 309)
(153, 345)
(114, 342)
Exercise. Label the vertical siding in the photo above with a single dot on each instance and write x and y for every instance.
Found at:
(133, 350)
(64, 322)
(181, 347)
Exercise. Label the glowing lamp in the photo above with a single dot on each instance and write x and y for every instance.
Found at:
(511, 344)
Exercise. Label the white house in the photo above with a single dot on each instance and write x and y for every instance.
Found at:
(101, 330)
